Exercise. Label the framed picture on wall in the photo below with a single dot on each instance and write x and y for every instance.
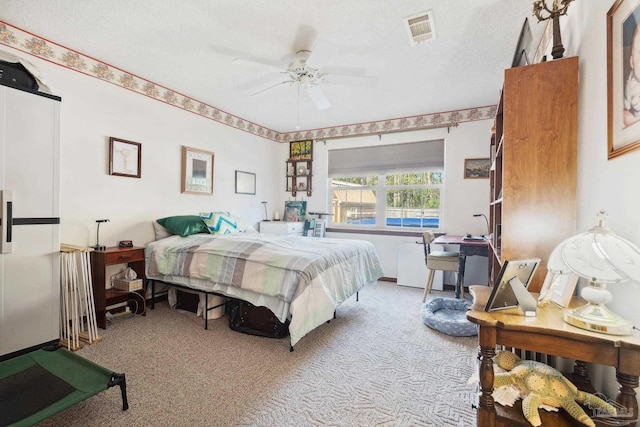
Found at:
(301, 150)
(197, 171)
(245, 182)
(476, 168)
(623, 77)
(125, 158)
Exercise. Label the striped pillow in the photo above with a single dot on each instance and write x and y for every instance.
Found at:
(220, 222)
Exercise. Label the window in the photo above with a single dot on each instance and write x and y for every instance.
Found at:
(406, 200)
(380, 186)
(353, 200)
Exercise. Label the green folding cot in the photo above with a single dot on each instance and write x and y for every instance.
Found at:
(41, 383)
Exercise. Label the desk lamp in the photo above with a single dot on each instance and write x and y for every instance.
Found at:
(601, 257)
(485, 219)
(98, 246)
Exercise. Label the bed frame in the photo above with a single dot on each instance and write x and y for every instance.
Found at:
(207, 293)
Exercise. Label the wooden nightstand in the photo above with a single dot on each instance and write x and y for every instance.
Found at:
(134, 257)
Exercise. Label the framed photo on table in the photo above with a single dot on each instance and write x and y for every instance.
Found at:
(197, 171)
(623, 77)
(125, 158)
(295, 211)
(559, 288)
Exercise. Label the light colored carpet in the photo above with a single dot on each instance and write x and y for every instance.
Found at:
(376, 364)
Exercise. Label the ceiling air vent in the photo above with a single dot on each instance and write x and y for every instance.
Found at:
(420, 27)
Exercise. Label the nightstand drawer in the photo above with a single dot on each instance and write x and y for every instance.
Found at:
(124, 256)
(281, 227)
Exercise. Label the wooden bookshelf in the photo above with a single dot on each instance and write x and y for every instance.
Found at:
(533, 175)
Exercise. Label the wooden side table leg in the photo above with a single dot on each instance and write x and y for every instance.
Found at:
(460, 280)
(486, 410)
(580, 375)
(627, 396)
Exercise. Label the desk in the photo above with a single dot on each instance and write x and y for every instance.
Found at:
(467, 248)
(547, 333)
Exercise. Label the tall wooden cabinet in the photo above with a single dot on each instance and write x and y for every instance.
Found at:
(533, 174)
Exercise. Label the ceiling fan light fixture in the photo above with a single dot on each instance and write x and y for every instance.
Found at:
(305, 80)
(420, 27)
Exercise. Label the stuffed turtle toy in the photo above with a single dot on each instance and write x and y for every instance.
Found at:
(541, 384)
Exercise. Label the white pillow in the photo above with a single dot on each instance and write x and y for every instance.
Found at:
(243, 227)
(160, 231)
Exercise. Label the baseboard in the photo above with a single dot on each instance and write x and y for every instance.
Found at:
(388, 279)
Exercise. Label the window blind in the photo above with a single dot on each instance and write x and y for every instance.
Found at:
(387, 159)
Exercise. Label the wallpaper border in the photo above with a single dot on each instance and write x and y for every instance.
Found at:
(32, 44)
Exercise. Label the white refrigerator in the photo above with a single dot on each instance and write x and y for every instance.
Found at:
(29, 220)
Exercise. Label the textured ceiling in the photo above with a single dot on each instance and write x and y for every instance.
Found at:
(190, 47)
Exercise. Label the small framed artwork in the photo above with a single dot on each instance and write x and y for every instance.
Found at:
(558, 288)
(295, 211)
(245, 182)
(623, 77)
(197, 171)
(301, 150)
(476, 168)
(521, 56)
(125, 158)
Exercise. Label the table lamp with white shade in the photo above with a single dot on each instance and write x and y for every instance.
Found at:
(603, 258)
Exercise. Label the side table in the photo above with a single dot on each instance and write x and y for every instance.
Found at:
(547, 333)
(103, 297)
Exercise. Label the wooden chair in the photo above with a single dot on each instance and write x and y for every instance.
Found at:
(436, 260)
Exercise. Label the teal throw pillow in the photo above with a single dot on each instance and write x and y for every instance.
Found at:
(220, 222)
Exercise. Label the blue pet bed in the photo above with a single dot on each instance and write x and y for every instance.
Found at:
(449, 316)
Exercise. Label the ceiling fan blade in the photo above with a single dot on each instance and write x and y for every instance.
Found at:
(349, 80)
(242, 58)
(305, 38)
(318, 97)
(259, 81)
(257, 62)
(270, 87)
(321, 54)
(347, 71)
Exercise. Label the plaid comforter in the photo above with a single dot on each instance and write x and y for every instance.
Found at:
(298, 277)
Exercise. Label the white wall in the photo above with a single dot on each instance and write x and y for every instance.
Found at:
(92, 111)
(611, 185)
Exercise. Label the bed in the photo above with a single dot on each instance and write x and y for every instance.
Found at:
(302, 279)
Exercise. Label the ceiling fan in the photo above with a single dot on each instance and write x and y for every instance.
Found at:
(306, 70)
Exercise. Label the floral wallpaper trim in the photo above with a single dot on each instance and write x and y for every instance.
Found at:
(424, 121)
(60, 55)
(34, 45)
